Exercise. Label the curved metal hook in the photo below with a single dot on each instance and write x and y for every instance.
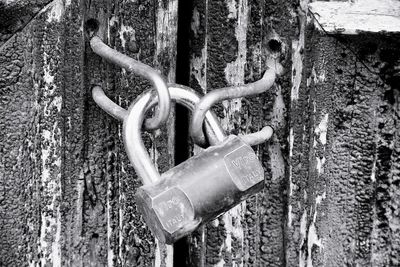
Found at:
(132, 65)
(218, 95)
(188, 98)
(259, 137)
(106, 104)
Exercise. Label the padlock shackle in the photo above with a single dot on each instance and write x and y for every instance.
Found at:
(188, 98)
(132, 129)
(139, 68)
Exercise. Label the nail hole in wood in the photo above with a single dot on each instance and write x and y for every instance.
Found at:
(92, 26)
(275, 46)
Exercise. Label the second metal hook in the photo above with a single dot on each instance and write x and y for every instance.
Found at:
(212, 126)
(226, 93)
(189, 99)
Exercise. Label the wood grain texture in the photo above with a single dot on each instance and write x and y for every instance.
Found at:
(319, 209)
(230, 47)
(33, 84)
(343, 161)
(16, 14)
(332, 170)
(67, 185)
(353, 17)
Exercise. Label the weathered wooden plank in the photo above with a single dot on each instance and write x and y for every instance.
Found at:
(15, 15)
(67, 186)
(342, 153)
(32, 140)
(297, 143)
(353, 17)
(230, 46)
(145, 31)
(74, 134)
(332, 189)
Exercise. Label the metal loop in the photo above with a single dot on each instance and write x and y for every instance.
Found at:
(213, 132)
(188, 98)
(218, 95)
(132, 65)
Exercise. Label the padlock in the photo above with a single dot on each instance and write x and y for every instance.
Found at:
(177, 202)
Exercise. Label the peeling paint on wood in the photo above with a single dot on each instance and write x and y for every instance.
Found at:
(348, 107)
(353, 17)
(332, 188)
(230, 47)
(233, 246)
(51, 147)
(152, 40)
(37, 124)
(73, 204)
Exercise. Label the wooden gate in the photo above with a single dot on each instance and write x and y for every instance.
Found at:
(332, 191)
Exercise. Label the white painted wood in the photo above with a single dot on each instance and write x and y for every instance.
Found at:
(357, 16)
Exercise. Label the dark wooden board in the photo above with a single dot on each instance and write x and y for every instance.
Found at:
(230, 46)
(67, 185)
(332, 168)
(344, 166)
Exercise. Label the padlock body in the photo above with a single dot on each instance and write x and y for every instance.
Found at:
(200, 189)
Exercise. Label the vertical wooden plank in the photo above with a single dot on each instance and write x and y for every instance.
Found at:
(67, 185)
(216, 68)
(298, 141)
(32, 140)
(75, 125)
(254, 67)
(229, 47)
(344, 177)
(145, 31)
